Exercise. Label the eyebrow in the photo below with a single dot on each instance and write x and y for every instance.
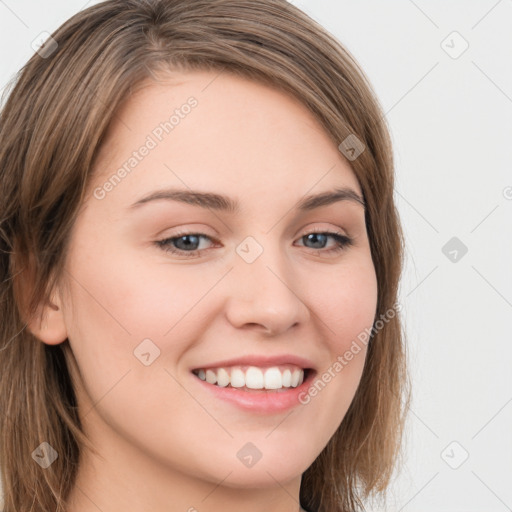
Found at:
(219, 202)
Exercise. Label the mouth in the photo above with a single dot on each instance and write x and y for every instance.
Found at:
(255, 379)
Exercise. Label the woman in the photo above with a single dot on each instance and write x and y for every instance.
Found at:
(200, 265)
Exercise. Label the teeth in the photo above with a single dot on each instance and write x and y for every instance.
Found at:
(295, 378)
(273, 379)
(222, 378)
(211, 377)
(237, 378)
(253, 377)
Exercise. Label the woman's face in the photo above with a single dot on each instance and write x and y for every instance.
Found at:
(244, 289)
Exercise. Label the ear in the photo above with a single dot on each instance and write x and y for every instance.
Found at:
(48, 323)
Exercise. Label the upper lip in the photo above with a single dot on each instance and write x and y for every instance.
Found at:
(261, 361)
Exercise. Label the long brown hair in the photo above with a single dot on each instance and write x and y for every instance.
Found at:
(51, 128)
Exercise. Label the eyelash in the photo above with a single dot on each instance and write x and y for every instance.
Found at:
(342, 242)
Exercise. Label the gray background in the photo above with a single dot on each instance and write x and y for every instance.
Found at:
(450, 113)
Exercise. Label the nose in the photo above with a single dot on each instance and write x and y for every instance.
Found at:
(264, 296)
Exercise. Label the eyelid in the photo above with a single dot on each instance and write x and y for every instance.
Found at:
(202, 230)
(322, 229)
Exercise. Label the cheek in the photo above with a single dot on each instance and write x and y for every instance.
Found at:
(114, 305)
(346, 312)
(121, 297)
(344, 301)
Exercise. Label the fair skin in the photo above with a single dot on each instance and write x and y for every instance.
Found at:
(166, 442)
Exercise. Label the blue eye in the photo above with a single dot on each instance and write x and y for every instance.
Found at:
(187, 244)
(320, 239)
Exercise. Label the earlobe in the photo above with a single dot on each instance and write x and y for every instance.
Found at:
(48, 323)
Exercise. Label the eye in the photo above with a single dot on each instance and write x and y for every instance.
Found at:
(185, 244)
(319, 240)
(188, 244)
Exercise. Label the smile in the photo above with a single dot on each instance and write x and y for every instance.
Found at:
(254, 377)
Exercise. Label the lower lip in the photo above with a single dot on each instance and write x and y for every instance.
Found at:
(261, 401)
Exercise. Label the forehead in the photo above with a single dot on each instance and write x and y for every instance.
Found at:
(217, 131)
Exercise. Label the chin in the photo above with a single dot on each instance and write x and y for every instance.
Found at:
(260, 477)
